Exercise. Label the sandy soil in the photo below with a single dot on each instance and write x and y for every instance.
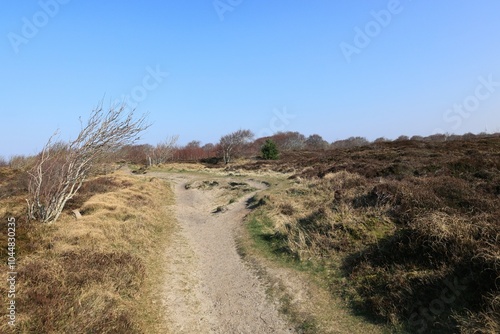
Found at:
(209, 288)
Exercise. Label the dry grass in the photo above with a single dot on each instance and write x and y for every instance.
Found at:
(262, 171)
(315, 218)
(99, 274)
(178, 167)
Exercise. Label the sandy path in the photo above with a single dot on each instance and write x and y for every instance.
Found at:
(209, 289)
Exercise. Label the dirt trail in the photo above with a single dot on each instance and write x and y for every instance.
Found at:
(209, 289)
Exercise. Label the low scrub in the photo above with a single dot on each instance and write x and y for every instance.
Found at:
(414, 245)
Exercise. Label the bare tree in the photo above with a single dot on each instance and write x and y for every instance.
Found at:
(289, 141)
(402, 138)
(233, 142)
(135, 154)
(316, 142)
(442, 137)
(381, 140)
(194, 144)
(417, 138)
(61, 168)
(209, 147)
(352, 142)
(163, 151)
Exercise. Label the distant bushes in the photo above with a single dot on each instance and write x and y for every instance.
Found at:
(13, 182)
(286, 143)
(350, 142)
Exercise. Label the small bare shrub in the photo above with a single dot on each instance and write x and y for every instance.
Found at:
(231, 144)
(162, 152)
(61, 168)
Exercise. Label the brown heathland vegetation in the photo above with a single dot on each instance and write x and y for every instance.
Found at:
(407, 231)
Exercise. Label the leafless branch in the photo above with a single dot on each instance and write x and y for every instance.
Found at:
(62, 168)
(232, 142)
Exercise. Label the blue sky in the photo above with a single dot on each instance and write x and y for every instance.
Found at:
(203, 68)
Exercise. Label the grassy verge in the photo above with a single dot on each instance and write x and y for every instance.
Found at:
(99, 274)
(268, 243)
(303, 287)
(259, 229)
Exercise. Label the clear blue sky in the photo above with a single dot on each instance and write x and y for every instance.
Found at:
(240, 65)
